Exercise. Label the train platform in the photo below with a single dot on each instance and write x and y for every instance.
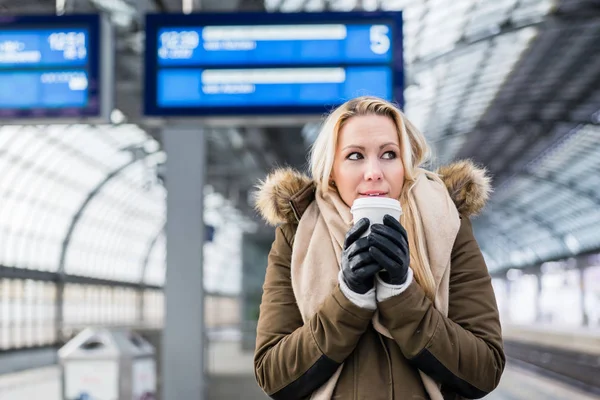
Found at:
(230, 378)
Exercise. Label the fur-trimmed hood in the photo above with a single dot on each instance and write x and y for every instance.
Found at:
(284, 195)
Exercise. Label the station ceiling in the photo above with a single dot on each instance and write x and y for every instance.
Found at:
(512, 84)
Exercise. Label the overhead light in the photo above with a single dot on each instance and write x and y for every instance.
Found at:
(514, 274)
(117, 117)
(61, 6)
(187, 6)
(370, 5)
(572, 243)
(272, 5)
(313, 5)
(151, 146)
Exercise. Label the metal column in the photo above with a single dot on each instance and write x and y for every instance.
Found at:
(582, 265)
(183, 337)
(538, 296)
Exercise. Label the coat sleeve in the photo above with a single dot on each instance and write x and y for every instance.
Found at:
(463, 351)
(293, 358)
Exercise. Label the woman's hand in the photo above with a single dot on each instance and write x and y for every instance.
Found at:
(389, 248)
(358, 266)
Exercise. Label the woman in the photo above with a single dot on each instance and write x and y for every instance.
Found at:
(407, 312)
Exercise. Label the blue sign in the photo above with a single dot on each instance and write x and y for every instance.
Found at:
(49, 66)
(269, 87)
(270, 64)
(39, 90)
(275, 45)
(44, 47)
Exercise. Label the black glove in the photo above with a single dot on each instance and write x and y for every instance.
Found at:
(389, 248)
(358, 267)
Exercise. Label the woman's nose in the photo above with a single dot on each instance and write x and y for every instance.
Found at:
(373, 172)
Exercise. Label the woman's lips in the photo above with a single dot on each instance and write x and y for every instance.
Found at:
(373, 193)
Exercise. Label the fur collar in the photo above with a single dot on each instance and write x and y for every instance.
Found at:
(286, 193)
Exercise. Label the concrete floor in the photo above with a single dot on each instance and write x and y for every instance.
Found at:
(232, 379)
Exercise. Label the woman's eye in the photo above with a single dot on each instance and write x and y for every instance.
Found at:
(389, 155)
(354, 156)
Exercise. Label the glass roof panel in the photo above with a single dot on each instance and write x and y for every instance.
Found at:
(558, 193)
(487, 15)
(531, 9)
(50, 171)
(114, 228)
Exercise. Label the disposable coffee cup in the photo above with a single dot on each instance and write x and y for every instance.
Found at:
(374, 209)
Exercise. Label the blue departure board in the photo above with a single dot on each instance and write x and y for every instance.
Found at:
(50, 67)
(270, 63)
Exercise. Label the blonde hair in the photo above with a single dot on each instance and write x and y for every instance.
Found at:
(414, 152)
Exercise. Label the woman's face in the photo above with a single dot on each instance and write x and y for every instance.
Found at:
(367, 159)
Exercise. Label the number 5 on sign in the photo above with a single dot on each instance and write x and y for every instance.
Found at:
(380, 41)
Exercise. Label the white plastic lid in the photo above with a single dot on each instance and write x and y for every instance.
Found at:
(376, 202)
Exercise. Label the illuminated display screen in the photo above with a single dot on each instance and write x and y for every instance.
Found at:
(49, 66)
(220, 64)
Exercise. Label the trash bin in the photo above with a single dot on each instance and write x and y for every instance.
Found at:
(108, 364)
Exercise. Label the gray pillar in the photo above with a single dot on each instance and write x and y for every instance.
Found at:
(585, 320)
(59, 307)
(538, 296)
(183, 344)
